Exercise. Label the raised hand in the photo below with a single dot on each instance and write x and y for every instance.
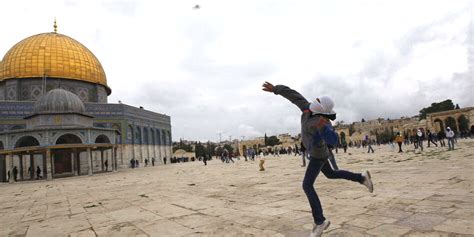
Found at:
(267, 86)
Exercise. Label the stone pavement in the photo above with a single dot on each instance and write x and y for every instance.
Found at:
(416, 194)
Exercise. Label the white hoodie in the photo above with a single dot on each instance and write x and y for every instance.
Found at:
(449, 134)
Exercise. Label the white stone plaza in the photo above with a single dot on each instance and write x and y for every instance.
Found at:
(427, 193)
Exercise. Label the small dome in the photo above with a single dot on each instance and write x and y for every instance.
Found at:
(59, 101)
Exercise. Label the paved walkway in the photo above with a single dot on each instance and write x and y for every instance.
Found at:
(416, 194)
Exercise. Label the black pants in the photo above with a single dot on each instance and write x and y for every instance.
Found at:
(310, 176)
(400, 147)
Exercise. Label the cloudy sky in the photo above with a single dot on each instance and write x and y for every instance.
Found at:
(205, 67)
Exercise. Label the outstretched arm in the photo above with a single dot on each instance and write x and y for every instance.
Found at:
(290, 94)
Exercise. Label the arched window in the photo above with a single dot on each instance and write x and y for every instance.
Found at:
(138, 136)
(163, 138)
(438, 125)
(158, 136)
(152, 134)
(145, 135)
(102, 139)
(68, 139)
(130, 135)
(26, 141)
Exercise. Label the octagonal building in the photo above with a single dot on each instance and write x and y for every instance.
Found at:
(51, 83)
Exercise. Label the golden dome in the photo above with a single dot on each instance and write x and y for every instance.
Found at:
(54, 55)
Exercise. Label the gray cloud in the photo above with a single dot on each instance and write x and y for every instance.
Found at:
(369, 94)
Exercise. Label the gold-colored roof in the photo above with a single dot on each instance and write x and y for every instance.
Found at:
(54, 55)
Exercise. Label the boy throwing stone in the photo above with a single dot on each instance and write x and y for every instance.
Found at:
(316, 133)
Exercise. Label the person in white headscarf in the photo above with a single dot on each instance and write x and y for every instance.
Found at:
(450, 136)
(316, 133)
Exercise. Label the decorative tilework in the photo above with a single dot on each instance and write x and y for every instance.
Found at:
(11, 93)
(36, 92)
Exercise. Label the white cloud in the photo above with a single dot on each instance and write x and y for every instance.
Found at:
(205, 67)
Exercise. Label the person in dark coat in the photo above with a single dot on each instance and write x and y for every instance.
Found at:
(38, 172)
(106, 164)
(15, 173)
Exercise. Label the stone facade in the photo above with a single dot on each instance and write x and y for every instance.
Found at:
(434, 122)
(151, 131)
(31, 89)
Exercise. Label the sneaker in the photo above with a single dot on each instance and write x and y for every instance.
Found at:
(318, 229)
(368, 181)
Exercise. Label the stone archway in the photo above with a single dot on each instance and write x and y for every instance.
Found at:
(463, 123)
(138, 144)
(102, 139)
(68, 139)
(64, 159)
(20, 160)
(342, 137)
(104, 161)
(438, 125)
(163, 139)
(451, 122)
(26, 141)
(158, 137)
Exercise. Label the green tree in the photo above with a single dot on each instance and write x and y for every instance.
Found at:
(211, 148)
(437, 107)
(265, 140)
(363, 120)
(272, 141)
(200, 150)
(182, 145)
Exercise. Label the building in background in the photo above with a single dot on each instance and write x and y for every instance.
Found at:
(47, 62)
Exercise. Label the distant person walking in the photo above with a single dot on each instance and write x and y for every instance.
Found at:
(399, 140)
(344, 143)
(430, 138)
(164, 160)
(316, 132)
(441, 136)
(304, 155)
(15, 173)
(419, 135)
(106, 164)
(369, 144)
(450, 136)
(153, 161)
(38, 172)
